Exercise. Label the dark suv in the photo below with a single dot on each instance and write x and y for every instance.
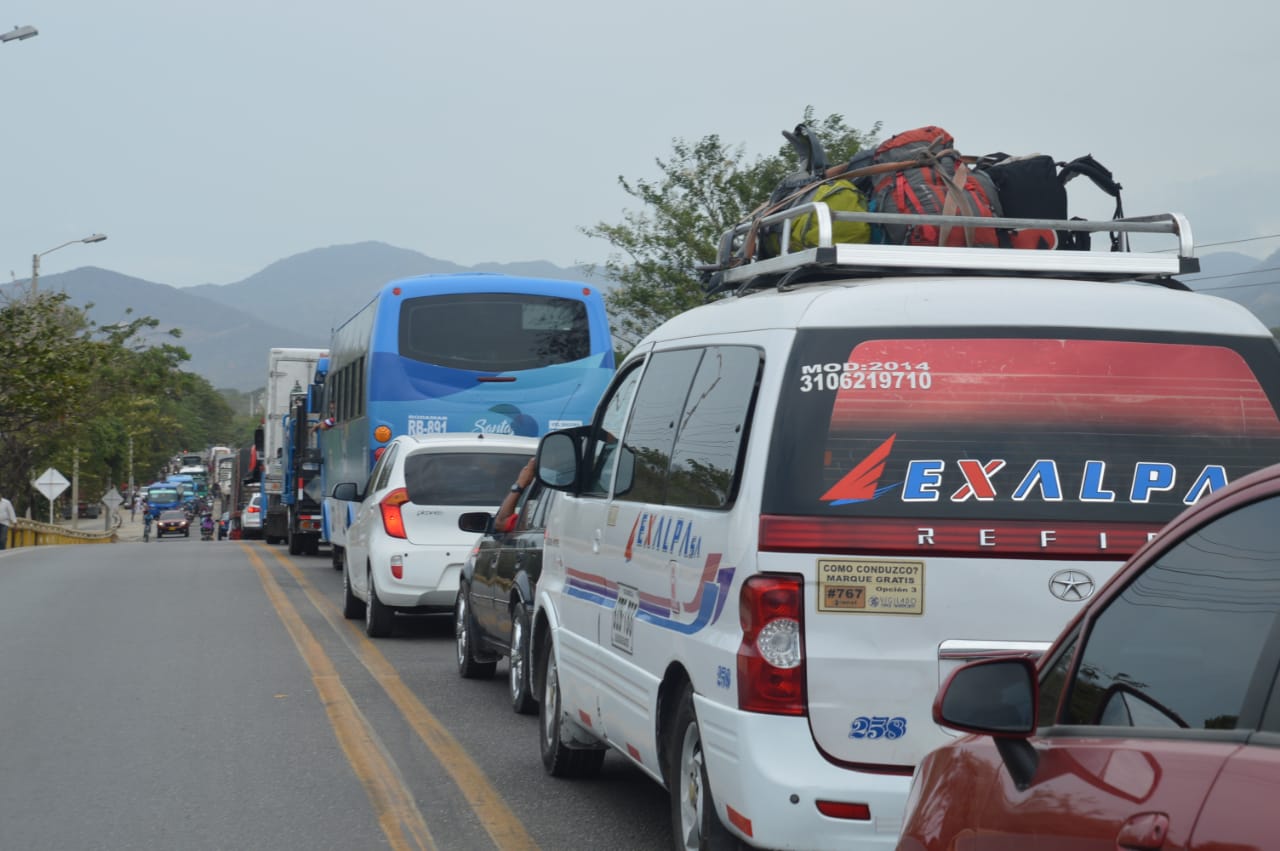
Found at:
(495, 595)
(1152, 722)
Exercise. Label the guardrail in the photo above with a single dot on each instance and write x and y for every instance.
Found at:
(32, 533)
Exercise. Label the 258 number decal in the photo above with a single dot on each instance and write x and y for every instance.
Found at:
(878, 727)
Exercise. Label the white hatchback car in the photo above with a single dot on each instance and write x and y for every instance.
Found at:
(251, 517)
(404, 550)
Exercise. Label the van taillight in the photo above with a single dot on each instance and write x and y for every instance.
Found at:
(771, 656)
(392, 520)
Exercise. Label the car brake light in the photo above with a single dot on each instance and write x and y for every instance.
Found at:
(253, 509)
(771, 657)
(392, 520)
(842, 809)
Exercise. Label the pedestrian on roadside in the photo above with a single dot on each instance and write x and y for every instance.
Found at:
(7, 519)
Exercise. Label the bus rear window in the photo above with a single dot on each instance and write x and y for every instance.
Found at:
(1022, 429)
(494, 332)
(461, 478)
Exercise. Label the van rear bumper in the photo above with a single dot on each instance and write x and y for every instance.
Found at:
(757, 763)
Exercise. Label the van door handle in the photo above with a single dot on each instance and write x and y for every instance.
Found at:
(595, 542)
(1144, 832)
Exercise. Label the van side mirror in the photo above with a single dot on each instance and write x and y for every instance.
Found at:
(558, 461)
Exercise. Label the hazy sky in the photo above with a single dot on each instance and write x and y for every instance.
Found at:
(208, 140)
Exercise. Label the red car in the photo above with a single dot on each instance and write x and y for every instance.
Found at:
(1152, 722)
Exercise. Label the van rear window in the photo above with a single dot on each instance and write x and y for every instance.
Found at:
(1063, 437)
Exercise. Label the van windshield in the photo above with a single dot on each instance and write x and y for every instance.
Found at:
(1042, 431)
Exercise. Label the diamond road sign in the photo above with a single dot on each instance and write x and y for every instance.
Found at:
(112, 499)
(51, 483)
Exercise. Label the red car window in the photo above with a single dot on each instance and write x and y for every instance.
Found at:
(1181, 646)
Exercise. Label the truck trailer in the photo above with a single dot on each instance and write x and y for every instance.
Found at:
(289, 372)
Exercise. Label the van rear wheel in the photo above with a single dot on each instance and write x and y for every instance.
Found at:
(558, 759)
(695, 822)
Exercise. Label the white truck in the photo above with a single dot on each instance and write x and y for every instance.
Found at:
(289, 370)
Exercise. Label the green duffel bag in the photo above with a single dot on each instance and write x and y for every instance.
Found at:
(838, 194)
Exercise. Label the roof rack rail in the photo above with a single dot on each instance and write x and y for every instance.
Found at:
(829, 258)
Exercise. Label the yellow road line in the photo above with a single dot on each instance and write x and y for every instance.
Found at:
(506, 831)
(397, 813)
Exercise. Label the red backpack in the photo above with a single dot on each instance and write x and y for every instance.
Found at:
(932, 180)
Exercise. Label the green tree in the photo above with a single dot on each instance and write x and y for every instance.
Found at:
(704, 188)
(71, 391)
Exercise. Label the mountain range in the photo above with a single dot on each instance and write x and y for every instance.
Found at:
(229, 328)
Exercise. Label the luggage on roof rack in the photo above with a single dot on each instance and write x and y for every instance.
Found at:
(828, 258)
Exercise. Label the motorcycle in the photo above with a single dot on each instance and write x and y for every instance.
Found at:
(206, 527)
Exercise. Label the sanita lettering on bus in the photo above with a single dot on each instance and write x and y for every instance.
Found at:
(487, 427)
(663, 534)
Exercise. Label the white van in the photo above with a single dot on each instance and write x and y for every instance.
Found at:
(798, 508)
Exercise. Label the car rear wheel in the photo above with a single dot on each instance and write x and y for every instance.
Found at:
(352, 606)
(522, 699)
(377, 617)
(469, 667)
(558, 759)
(695, 824)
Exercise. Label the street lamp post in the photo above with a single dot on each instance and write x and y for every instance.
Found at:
(35, 258)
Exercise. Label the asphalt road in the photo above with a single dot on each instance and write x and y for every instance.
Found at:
(189, 694)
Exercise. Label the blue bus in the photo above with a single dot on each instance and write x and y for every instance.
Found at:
(457, 353)
(164, 496)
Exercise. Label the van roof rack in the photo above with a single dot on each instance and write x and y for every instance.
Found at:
(830, 260)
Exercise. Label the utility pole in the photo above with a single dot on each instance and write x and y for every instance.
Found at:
(75, 490)
(131, 487)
